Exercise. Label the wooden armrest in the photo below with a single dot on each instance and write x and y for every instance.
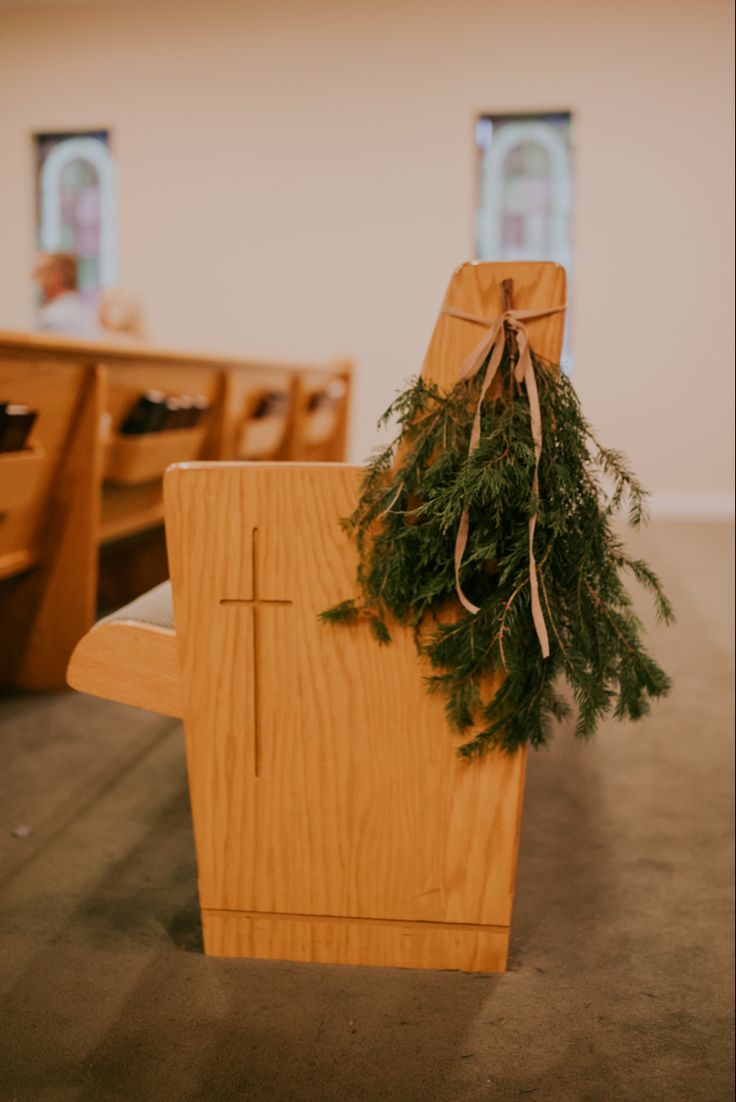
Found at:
(132, 656)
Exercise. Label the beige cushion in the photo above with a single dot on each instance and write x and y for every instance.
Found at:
(155, 608)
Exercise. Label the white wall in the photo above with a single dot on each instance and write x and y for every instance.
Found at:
(297, 179)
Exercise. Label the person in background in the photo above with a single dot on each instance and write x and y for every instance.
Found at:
(121, 315)
(62, 310)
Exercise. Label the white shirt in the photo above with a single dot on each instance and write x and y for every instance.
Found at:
(68, 314)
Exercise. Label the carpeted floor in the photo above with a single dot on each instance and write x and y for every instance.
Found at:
(620, 979)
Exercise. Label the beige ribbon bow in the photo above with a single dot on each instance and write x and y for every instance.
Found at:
(493, 342)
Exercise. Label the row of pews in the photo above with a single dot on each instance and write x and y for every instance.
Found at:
(81, 502)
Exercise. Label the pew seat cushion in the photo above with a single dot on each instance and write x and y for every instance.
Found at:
(131, 656)
(155, 609)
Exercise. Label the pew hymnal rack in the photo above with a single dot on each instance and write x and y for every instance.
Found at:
(333, 821)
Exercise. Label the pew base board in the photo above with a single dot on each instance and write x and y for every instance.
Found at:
(382, 943)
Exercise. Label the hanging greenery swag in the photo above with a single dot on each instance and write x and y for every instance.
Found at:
(468, 530)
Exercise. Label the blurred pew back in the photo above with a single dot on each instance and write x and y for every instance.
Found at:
(112, 483)
(49, 510)
(321, 410)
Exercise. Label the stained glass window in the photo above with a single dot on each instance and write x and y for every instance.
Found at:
(77, 204)
(525, 191)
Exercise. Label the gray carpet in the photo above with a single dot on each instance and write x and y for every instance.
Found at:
(619, 985)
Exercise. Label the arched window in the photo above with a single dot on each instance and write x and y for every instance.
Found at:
(77, 204)
(525, 191)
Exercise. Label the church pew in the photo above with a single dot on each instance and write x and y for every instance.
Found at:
(253, 409)
(320, 422)
(333, 821)
(259, 409)
(131, 539)
(133, 466)
(250, 415)
(49, 509)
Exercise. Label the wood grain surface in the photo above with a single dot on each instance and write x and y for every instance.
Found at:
(381, 943)
(476, 288)
(333, 820)
(116, 661)
(48, 534)
(321, 409)
(323, 776)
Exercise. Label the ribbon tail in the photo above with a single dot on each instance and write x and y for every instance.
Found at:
(496, 350)
(494, 345)
(461, 543)
(474, 360)
(491, 346)
(525, 370)
(537, 614)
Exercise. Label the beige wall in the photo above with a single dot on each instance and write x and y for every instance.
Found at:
(296, 179)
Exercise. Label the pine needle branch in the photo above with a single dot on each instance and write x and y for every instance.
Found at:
(413, 495)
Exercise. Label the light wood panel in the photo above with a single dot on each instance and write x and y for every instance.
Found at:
(116, 661)
(55, 391)
(476, 288)
(134, 460)
(47, 536)
(380, 943)
(320, 422)
(323, 777)
(20, 475)
(76, 349)
(132, 494)
(245, 437)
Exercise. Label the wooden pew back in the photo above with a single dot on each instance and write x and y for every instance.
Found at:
(133, 466)
(49, 504)
(86, 389)
(251, 416)
(321, 408)
(476, 289)
(259, 410)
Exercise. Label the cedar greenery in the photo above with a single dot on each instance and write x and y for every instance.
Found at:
(405, 525)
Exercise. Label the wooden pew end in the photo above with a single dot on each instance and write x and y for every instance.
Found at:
(131, 656)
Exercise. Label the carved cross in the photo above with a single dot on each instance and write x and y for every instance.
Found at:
(255, 604)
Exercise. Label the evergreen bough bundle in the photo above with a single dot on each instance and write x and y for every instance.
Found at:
(413, 495)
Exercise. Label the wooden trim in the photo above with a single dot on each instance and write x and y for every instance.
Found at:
(384, 943)
(132, 460)
(364, 920)
(76, 349)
